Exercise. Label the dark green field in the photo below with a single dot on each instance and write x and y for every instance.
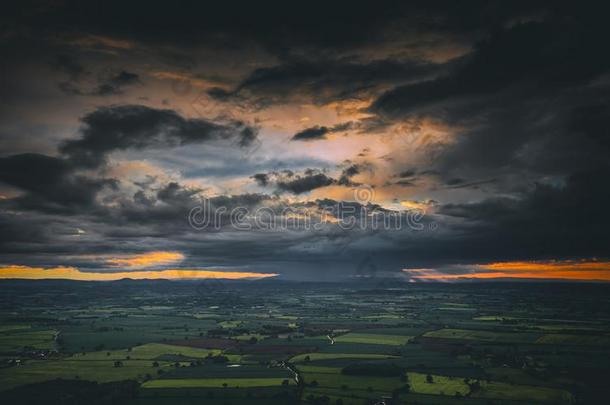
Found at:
(229, 343)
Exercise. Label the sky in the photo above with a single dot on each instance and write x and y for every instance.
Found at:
(320, 141)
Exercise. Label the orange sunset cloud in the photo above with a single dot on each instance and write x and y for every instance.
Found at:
(592, 270)
(72, 273)
(157, 258)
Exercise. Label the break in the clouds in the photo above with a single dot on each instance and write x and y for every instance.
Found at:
(482, 127)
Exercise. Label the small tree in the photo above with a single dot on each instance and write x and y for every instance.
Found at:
(475, 386)
(429, 379)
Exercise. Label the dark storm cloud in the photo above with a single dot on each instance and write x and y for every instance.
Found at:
(311, 133)
(321, 27)
(461, 183)
(527, 102)
(303, 184)
(298, 184)
(405, 178)
(533, 134)
(116, 82)
(540, 55)
(529, 99)
(569, 220)
(407, 173)
(288, 181)
(163, 213)
(404, 183)
(592, 119)
(261, 178)
(322, 81)
(310, 179)
(240, 200)
(351, 170)
(17, 230)
(178, 196)
(174, 193)
(320, 132)
(113, 128)
(81, 81)
(108, 85)
(49, 182)
(57, 183)
(70, 66)
(272, 24)
(347, 174)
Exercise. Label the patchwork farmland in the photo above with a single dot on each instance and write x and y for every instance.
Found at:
(423, 344)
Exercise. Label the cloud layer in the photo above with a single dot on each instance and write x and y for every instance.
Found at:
(485, 124)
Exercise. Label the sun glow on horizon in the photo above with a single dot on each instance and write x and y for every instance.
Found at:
(72, 273)
(583, 270)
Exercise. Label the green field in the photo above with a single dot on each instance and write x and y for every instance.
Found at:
(227, 371)
(440, 385)
(156, 341)
(148, 351)
(504, 391)
(93, 370)
(443, 385)
(229, 324)
(332, 356)
(319, 369)
(216, 383)
(349, 397)
(483, 335)
(10, 328)
(99, 366)
(249, 336)
(371, 338)
(381, 317)
(348, 382)
(564, 339)
(17, 339)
